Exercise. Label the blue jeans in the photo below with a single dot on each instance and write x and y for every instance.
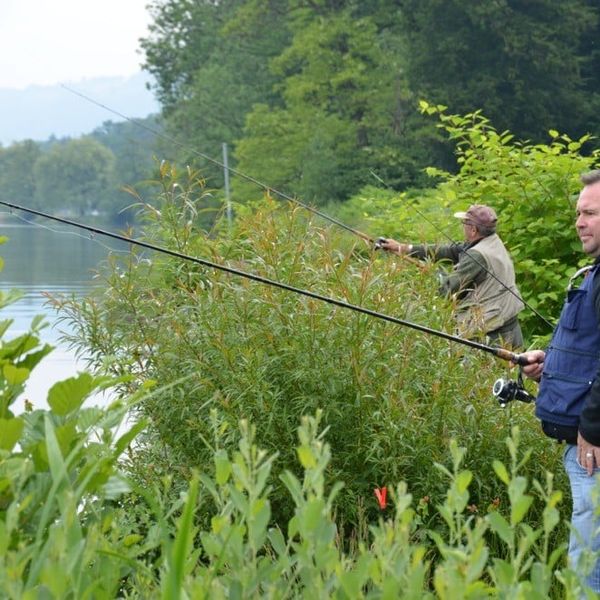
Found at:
(585, 518)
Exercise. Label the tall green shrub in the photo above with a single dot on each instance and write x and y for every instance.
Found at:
(391, 398)
(533, 187)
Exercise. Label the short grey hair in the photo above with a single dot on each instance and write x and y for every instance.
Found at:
(485, 231)
(590, 177)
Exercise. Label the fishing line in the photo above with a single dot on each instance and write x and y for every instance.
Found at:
(285, 196)
(65, 232)
(498, 352)
(473, 258)
(214, 161)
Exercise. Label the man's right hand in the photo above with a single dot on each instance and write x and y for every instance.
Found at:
(393, 246)
(535, 366)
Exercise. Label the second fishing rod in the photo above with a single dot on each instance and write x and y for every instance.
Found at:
(502, 353)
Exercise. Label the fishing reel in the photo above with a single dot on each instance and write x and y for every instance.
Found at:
(507, 390)
(379, 243)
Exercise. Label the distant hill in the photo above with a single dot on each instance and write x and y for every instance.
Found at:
(40, 112)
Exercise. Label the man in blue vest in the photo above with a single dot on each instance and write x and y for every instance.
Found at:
(568, 402)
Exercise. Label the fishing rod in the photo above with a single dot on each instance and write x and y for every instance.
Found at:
(502, 353)
(466, 251)
(375, 242)
(270, 190)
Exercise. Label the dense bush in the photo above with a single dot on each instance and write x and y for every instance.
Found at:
(533, 188)
(73, 524)
(392, 398)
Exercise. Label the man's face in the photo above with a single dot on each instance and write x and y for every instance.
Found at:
(470, 231)
(588, 219)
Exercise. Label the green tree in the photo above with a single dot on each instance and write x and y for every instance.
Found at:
(17, 181)
(210, 60)
(312, 96)
(518, 61)
(343, 112)
(134, 146)
(77, 175)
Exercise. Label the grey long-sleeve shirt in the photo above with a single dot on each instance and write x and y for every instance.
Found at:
(470, 269)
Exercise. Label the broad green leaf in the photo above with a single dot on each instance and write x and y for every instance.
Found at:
(116, 486)
(501, 471)
(500, 525)
(33, 358)
(257, 526)
(463, 481)
(504, 572)
(277, 541)
(68, 395)
(306, 457)
(15, 375)
(131, 539)
(222, 467)
(10, 432)
(519, 509)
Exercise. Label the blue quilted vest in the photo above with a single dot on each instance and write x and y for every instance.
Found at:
(572, 359)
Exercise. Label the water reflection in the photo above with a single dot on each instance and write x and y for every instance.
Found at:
(43, 260)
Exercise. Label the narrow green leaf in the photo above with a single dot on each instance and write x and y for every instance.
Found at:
(129, 436)
(172, 588)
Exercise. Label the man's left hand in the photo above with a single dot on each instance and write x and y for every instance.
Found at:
(588, 456)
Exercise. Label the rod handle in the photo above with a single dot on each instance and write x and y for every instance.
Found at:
(517, 359)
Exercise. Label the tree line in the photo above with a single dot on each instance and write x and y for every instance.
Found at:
(83, 176)
(313, 95)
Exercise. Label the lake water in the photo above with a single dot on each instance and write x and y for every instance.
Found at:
(52, 258)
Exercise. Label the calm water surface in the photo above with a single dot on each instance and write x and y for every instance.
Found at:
(48, 258)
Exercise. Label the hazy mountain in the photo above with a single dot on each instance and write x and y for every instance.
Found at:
(39, 112)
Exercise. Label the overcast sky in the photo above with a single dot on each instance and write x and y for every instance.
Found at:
(60, 41)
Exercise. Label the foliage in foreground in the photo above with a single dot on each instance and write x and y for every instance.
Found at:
(74, 525)
(71, 526)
